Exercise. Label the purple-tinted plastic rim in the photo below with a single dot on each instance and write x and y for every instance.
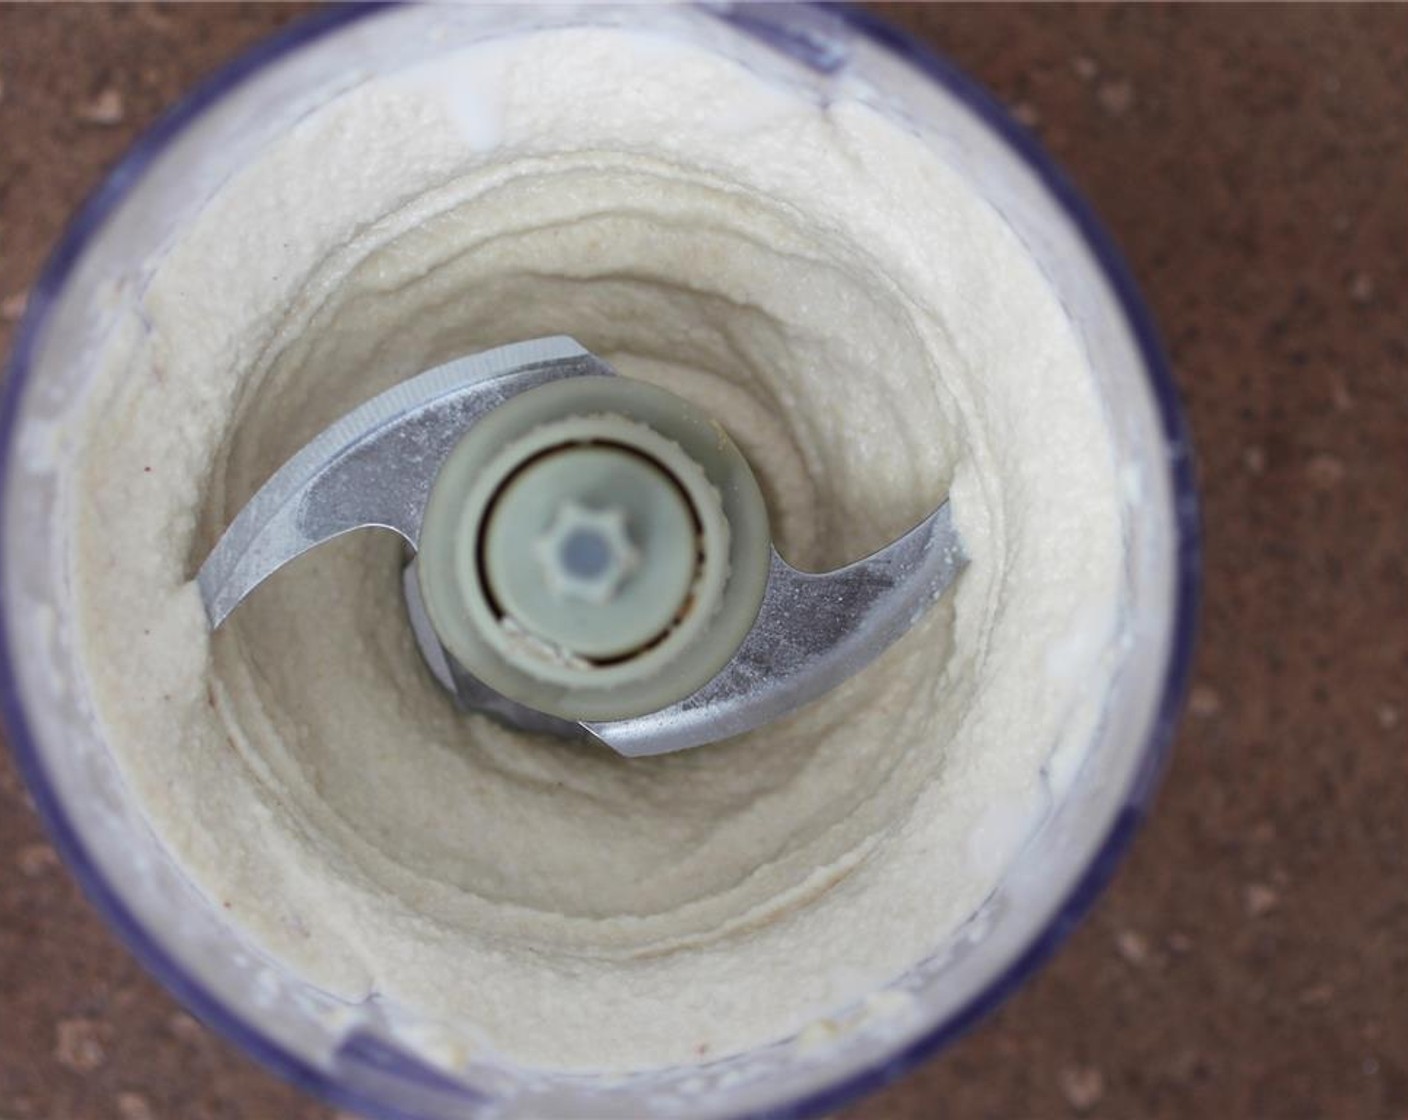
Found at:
(208, 1007)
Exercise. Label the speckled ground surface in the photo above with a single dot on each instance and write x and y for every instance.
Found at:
(1251, 958)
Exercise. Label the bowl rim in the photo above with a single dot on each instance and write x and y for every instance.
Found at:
(205, 1004)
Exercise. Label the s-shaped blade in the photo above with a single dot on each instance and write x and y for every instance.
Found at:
(376, 466)
(813, 631)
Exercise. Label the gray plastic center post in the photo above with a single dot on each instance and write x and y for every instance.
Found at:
(594, 549)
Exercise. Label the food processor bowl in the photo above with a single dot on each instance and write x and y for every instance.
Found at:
(355, 1056)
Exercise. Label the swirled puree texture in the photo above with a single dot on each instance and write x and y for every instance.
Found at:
(875, 337)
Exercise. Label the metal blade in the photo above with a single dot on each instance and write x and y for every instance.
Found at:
(375, 466)
(812, 633)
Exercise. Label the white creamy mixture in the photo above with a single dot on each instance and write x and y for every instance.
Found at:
(874, 336)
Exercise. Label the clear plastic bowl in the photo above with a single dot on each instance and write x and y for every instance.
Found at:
(351, 1059)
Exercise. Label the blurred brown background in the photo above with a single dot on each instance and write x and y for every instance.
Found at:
(1251, 959)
